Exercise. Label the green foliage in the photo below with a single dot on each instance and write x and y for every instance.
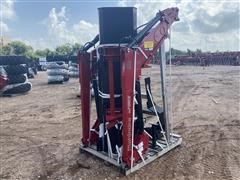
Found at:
(64, 49)
(6, 50)
(75, 48)
(68, 49)
(189, 52)
(175, 52)
(198, 51)
(21, 49)
(44, 53)
(18, 48)
(30, 55)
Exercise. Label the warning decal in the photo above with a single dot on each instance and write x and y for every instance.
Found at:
(148, 44)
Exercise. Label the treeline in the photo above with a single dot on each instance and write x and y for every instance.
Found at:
(19, 48)
(176, 52)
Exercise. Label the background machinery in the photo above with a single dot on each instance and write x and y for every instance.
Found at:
(206, 59)
(120, 134)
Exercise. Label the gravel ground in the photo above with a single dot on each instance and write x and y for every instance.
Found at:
(40, 132)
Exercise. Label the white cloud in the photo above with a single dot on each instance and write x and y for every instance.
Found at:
(7, 13)
(122, 3)
(85, 31)
(57, 26)
(203, 24)
(3, 27)
(7, 9)
(62, 31)
(36, 43)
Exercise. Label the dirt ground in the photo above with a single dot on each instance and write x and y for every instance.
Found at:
(40, 132)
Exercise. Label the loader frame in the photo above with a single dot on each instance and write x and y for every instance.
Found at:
(119, 135)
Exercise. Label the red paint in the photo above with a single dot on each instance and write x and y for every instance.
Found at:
(84, 74)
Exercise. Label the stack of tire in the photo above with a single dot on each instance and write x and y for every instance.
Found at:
(15, 70)
(73, 70)
(3, 78)
(57, 72)
(32, 68)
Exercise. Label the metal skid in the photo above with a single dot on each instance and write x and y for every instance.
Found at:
(151, 155)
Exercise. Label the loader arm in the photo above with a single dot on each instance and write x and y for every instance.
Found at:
(151, 37)
(137, 55)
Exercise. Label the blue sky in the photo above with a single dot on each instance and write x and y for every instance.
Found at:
(208, 25)
(30, 17)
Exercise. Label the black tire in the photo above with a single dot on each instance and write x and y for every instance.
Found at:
(15, 70)
(73, 74)
(55, 72)
(21, 88)
(15, 79)
(72, 68)
(55, 79)
(74, 65)
(30, 76)
(35, 71)
(30, 73)
(12, 60)
(66, 78)
(56, 65)
(55, 82)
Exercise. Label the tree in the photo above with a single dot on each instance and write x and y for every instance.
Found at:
(189, 52)
(19, 48)
(175, 52)
(198, 51)
(40, 53)
(68, 49)
(75, 48)
(6, 50)
(30, 55)
(65, 49)
(44, 53)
